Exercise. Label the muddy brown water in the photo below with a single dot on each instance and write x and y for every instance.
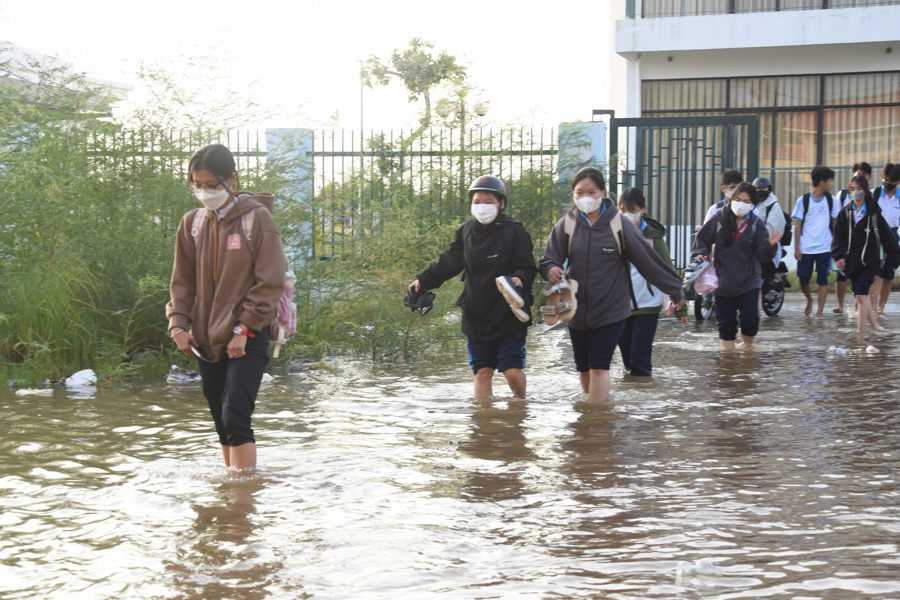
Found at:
(778, 466)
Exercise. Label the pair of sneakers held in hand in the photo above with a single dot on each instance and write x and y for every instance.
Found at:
(513, 297)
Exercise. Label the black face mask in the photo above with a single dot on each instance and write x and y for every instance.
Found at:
(762, 195)
(889, 187)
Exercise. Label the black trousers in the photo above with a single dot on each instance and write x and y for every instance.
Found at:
(230, 387)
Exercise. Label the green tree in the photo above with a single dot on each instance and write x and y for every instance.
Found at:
(421, 71)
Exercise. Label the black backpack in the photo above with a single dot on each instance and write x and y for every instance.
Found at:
(828, 197)
(787, 235)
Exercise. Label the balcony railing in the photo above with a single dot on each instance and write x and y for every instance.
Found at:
(683, 8)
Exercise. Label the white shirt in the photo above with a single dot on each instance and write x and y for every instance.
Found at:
(774, 221)
(712, 211)
(815, 232)
(890, 207)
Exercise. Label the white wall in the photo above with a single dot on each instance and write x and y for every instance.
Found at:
(835, 58)
(784, 29)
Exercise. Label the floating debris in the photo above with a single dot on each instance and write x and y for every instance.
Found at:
(84, 377)
(328, 364)
(34, 392)
(181, 376)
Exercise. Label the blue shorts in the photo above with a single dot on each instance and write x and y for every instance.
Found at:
(593, 348)
(507, 352)
(822, 263)
(862, 283)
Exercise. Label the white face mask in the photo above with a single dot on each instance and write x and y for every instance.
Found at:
(485, 213)
(635, 217)
(729, 194)
(212, 199)
(740, 208)
(588, 204)
(857, 195)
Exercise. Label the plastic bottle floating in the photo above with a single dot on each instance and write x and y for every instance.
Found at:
(328, 364)
(181, 376)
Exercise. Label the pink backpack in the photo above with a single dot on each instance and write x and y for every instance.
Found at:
(285, 325)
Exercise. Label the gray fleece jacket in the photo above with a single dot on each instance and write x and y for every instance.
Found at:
(603, 295)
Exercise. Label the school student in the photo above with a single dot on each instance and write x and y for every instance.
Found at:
(813, 217)
(592, 238)
(769, 212)
(636, 341)
(728, 182)
(888, 198)
(861, 237)
(224, 295)
(863, 169)
(495, 253)
(738, 242)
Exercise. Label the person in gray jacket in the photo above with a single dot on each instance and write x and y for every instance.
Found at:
(602, 299)
(738, 241)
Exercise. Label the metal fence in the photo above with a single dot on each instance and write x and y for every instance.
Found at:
(683, 8)
(357, 181)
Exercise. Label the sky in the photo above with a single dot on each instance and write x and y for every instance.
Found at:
(537, 62)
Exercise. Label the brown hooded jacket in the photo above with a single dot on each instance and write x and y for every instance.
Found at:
(221, 278)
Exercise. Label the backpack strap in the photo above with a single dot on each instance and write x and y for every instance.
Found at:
(569, 228)
(198, 223)
(247, 222)
(615, 224)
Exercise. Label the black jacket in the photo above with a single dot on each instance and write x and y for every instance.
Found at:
(485, 252)
(737, 263)
(859, 245)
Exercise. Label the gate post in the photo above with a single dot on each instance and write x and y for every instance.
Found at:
(289, 162)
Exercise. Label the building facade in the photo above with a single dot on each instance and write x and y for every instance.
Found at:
(822, 75)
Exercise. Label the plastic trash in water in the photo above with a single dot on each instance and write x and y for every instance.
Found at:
(703, 567)
(178, 375)
(85, 377)
(34, 392)
(17, 383)
(843, 351)
(872, 350)
(328, 364)
(266, 378)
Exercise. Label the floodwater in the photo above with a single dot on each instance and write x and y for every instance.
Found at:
(778, 466)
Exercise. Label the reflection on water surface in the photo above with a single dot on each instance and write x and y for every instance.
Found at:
(780, 467)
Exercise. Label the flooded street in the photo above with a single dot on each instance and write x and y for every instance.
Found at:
(779, 466)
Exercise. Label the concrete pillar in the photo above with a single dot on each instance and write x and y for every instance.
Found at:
(289, 163)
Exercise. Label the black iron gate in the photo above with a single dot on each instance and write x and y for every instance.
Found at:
(677, 162)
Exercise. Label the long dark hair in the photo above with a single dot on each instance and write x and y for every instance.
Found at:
(729, 228)
(215, 158)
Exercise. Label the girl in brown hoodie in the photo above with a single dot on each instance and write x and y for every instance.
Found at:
(224, 294)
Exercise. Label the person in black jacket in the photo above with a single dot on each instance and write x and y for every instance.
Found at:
(497, 257)
(741, 241)
(861, 239)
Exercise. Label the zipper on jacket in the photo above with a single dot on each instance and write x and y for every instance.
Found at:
(215, 252)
